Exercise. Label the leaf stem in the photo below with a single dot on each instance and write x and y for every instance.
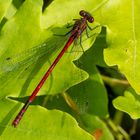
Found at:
(118, 117)
(71, 103)
(118, 131)
(133, 129)
(113, 81)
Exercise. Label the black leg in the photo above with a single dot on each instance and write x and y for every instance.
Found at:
(75, 43)
(69, 25)
(75, 19)
(93, 27)
(81, 43)
(88, 36)
(87, 33)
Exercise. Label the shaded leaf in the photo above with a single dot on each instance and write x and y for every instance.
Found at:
(93, 124)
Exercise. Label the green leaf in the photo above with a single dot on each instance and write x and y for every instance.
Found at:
(122, 21)
(96, 51)
(52, 16)
(129, 103)
(4, 5)
(93, 124)
(27, 48)
(90, 95)
(39, 123)
(23, 64)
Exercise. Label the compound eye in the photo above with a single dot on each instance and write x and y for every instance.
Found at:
(82, 13)
(90, 19)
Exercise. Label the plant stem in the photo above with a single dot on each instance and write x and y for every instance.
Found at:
(118, 131)
(71, 103)
(113, 81)
(133, 129)
(118, 117)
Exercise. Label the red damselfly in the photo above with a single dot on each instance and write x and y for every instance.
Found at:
(76, 32)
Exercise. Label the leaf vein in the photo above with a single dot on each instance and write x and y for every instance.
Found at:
(134, 39)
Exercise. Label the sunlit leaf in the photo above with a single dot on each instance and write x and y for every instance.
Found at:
(129, 103)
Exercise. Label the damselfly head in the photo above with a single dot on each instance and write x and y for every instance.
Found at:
(86, 15)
